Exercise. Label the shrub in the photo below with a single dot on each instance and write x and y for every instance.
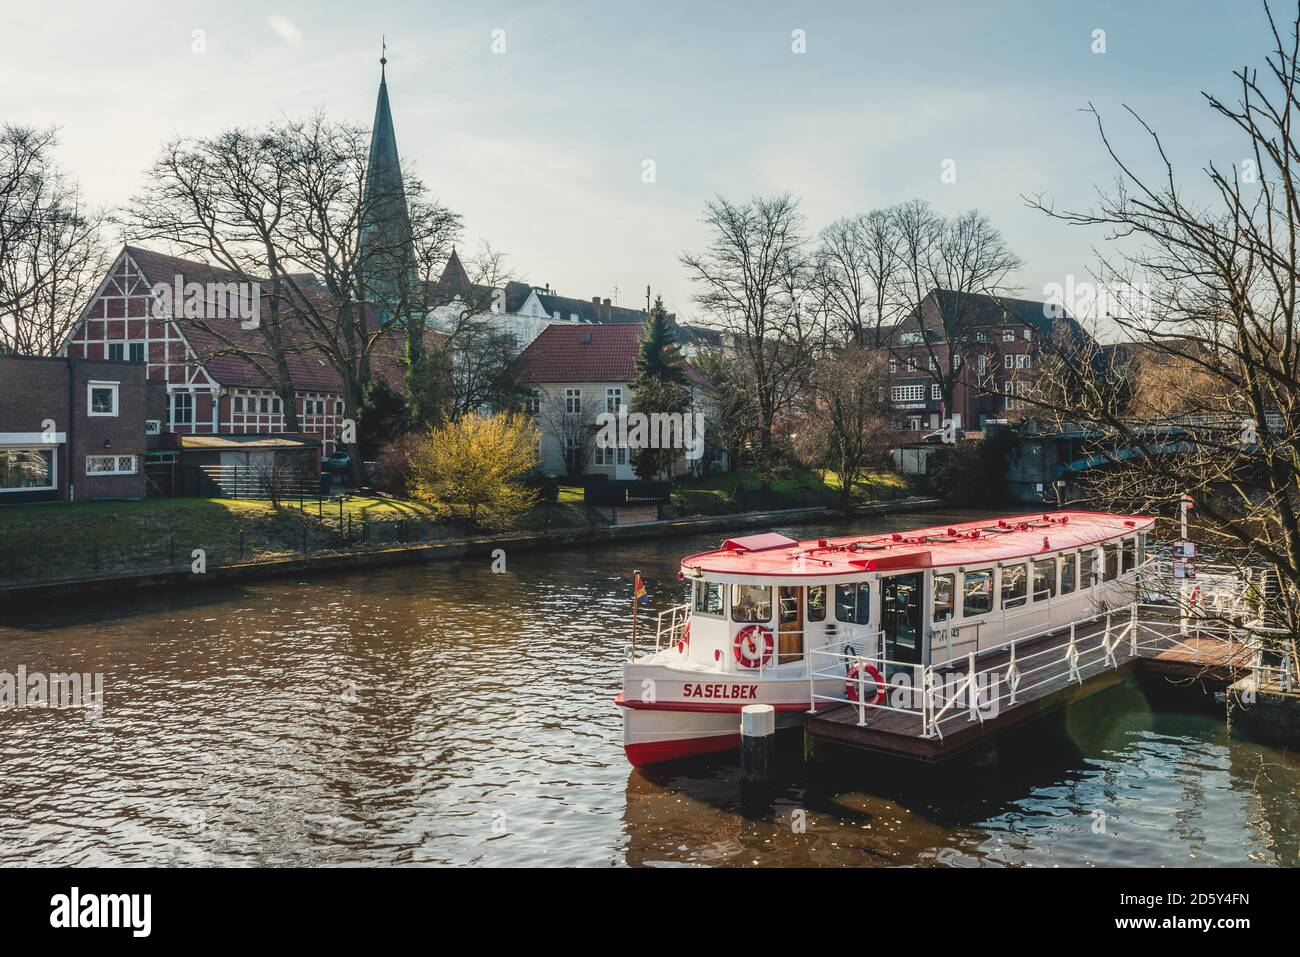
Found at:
(394, 464)
(472, 468)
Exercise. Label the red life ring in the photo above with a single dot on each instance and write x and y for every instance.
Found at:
(868, 669)
(753, 646)
(685, 641)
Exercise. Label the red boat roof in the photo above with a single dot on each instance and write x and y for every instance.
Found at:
(969, 543)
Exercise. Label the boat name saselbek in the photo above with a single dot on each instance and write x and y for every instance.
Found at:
(726, 692)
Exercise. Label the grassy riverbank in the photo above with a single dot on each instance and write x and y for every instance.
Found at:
(89, 539)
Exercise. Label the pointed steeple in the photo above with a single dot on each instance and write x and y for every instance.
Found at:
(454, 278)
(387, 258)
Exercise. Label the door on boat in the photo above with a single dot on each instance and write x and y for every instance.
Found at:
(789, 617)
(900, 614)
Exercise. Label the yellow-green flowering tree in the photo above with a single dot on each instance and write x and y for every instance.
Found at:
(471, 468)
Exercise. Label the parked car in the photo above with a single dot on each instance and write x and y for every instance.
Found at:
(340, 463)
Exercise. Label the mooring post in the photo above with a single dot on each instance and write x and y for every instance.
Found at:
(757, 746)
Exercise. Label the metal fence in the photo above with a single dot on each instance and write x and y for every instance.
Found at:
(249, 482)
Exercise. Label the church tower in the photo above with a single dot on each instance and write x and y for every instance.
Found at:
(386, 255)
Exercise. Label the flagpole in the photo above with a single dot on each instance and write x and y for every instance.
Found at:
(636, 576)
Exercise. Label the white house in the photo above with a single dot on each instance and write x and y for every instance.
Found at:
(579, 371)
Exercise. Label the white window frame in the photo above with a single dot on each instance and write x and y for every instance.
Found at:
(573, 402)
(113, 387)
(935, 393)
(1008, 361)
(117, 469)
(533, 402)
(613, 398)
(54, 467)
(914, 392)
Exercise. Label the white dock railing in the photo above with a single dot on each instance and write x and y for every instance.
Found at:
(940, 694)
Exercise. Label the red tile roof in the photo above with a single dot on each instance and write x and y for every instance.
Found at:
(308, 370)
(588, 352)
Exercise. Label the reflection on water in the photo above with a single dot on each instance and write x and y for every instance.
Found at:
(444, 714)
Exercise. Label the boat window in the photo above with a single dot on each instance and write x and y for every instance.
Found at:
(943, 598)
(709, 598)
(817, 603)
(1087, 568)
(1044, 579)
(977, 592)
(1142, 548)
(1128, 554)
(1112, 561)
(751, 603)
(1069, 565)
(853, 603)
(1015, 586)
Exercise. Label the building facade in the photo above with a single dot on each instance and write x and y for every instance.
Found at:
(986, 349)
(208, 389)
(579, 372)
(72, 429)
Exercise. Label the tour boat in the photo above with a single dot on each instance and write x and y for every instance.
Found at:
(762, 607)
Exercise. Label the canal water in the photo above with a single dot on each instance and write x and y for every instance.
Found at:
(445, 714)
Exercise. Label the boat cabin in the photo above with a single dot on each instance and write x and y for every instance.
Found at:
(760, 603)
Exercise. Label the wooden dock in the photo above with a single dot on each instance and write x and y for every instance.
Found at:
(1213, 662)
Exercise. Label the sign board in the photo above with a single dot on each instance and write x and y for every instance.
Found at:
(1184, 570)
(1184, 549)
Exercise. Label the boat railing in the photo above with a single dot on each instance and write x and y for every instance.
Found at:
(939, 694)
(670, 625)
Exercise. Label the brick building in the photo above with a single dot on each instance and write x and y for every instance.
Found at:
(72, 429)
(985, 349)
(218, 407)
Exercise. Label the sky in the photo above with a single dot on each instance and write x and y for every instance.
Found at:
(535, 121)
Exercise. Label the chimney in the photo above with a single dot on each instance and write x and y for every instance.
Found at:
(609, 312)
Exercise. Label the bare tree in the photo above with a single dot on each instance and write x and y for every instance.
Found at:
(750, 282)
(51, 253)
(951, 269)
(223, 201)
(574, 430)
(856, 274)
(1212, 290)
(846, 416)
(287, 208)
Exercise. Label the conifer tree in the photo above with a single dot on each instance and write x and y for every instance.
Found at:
(660, 386)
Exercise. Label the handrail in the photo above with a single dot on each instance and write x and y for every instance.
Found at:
(1075, 660)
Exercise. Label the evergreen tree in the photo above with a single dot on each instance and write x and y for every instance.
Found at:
(660, 358)
(660, 387)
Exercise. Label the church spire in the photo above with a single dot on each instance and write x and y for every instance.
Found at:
(387, 259)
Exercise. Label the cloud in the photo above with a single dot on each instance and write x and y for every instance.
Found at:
(285, 29)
